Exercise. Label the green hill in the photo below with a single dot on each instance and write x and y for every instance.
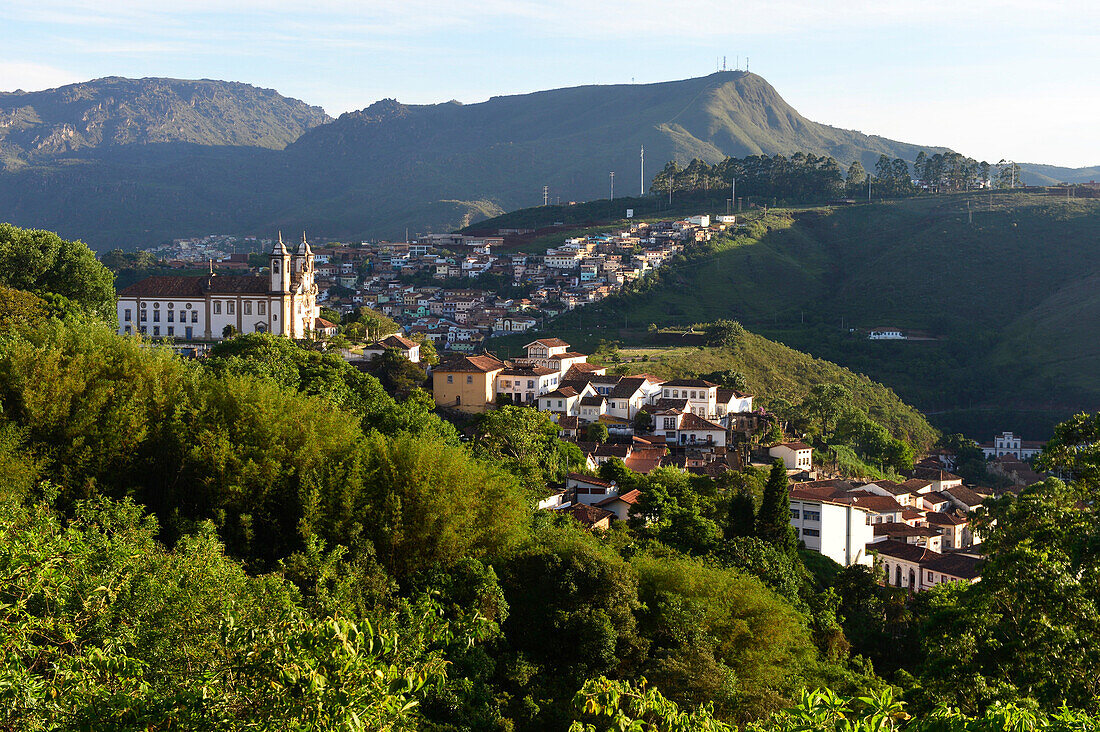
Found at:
(1009, 301)
(123, 162)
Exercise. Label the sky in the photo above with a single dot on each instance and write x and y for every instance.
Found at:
(993, 79)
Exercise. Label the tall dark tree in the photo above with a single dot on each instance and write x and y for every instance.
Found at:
(741, 513)
(773, 522)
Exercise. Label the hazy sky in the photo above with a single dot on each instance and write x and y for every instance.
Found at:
(994, 79)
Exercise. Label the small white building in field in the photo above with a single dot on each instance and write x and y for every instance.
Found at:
(838, 530)
(886, 334)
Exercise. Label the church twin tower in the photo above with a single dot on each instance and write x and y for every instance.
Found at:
(290, 274)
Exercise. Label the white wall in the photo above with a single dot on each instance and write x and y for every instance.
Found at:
(837, 531)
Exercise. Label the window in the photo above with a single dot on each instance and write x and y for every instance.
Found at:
(450, 378)
(171, 316)
(217, 307)
(247, 308)
(559, 402)
(230, 308)
(811, 532)
(931, 576)
(670, 423)
(261, 308)
(156, 316)
(507, 384)
(144, 316)
(194, 316)
(143, 330)
(795, 513)
(675, 393)
(811, 515)
(171, 330)
(156, 330)
(275, 266)
(530, 384)
(692, 393)
(469, 379)
(128, 330)
(126, 315)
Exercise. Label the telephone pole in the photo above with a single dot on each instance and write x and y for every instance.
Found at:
(612, 185)
(643, 172)
(545, 195)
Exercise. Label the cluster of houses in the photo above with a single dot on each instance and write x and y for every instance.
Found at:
(685, 422)
(429, 288)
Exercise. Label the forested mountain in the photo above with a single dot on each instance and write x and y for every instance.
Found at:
(114, 111)
(373, 172)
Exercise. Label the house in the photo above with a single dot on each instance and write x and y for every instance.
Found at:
(901, 493)
(204, 307)
(918, 568)
(324, 327)
(939, 479)
(886, 334)
(524, 385)
(687, 429)
(795, 455)
(952, 527)
(963, 499)
(466, 383)
(901, 531)
(591, 517)
(565, 400)
(408, 348)
(701, 395)
(551, 353)
(589, 490)
(839, 530)
(620, 505)
(1008, 443)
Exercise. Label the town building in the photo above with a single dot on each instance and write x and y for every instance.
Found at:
(838, 530)
(1010, 444)
(795, 455)
(466, 383)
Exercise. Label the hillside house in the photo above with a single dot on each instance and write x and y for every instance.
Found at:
(466, 383)
(1009, 444)
(838, 530)
(795, 455)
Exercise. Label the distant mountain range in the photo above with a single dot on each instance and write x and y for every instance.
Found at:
(126, 162)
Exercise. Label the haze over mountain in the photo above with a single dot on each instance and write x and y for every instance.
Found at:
(121, 162)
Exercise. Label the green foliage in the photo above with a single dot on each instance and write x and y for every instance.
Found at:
(104, 628)
(723, 333)
(630, 706)
(1075, 449)
(597, 432)
(773, 522)
(64, 273)
(525, 442)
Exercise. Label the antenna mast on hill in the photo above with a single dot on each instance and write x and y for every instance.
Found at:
(723, 63)
(643, 172)
(746, 63)
(545, 195)
(612, 185)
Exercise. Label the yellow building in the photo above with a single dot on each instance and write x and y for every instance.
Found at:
(466, 383)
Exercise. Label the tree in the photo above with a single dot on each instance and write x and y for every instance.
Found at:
(229, 331)
(826, 404)
(398, 375)
(741, 514)
(857, 177)
(64, 273)
(773, 522)
(1074, 451)
(523, 441)
(728, 378)
(723, 333)
(597, 432)
(375, 325)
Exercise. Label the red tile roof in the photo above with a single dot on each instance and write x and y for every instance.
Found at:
(476, 364)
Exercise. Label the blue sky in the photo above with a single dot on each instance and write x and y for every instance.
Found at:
(1004, 79)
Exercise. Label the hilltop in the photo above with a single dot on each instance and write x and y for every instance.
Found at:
(1008, 301)
(113, 112)
(134, 161)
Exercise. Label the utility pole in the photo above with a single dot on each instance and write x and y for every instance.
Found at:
(868, 188)
(643, 172)
(733, 189)
(612, 185)
(545, 195)
(969, 214)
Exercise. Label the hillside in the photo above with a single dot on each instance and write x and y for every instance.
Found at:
(115, 111)
(772, 371)
(1035, 174)
(122, 162)
(1009, 300)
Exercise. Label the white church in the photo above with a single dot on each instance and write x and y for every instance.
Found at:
(201, 307)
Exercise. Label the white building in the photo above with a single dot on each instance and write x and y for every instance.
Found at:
(202, 307)
(886, 334)
(1009, 444)
(840, 531)
(701, 395)
(795, 455)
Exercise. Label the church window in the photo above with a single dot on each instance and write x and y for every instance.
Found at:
(156, 330)
(230, 307)
(194, 316)
(171, 315)
(143, 330)
(156, 316)
(450, 378)
(171, 305)
(126, 315)
(144, 315)
(275, 266)
(217, 307)
(171, 331)
(248, 308)
(261, 308)
(469, 379)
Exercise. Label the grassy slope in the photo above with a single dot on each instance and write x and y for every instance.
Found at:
(1011, 297)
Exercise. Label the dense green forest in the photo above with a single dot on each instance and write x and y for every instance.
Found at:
(268, 540)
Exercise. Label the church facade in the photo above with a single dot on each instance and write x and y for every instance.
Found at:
(203, 307)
